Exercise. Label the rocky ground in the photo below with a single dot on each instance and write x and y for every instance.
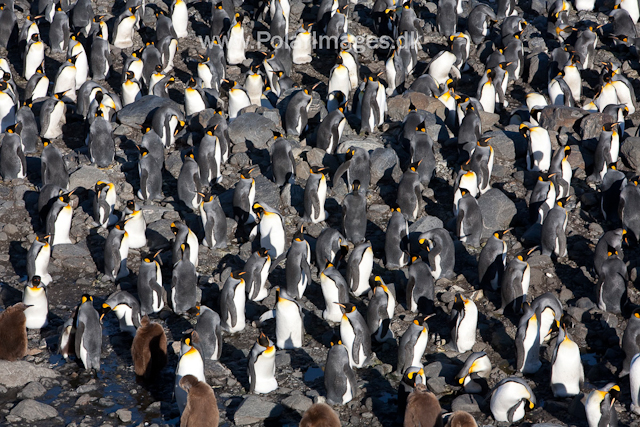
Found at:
(44, 389)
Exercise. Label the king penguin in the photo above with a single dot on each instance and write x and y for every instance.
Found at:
(339, 379)
(359, 268)
(184, 286)
(38, 259)
(465, 315)
(356, 336)
(262, 366)
(88, 338)
(34, 297)
(567, 374)
(509, 399)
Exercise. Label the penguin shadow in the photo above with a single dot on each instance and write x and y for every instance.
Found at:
(380, 391)
(315, 326)
(465, 263)
(30, 199)
(177, 325)
(34, 165)
(259, 157)
(236, 362)
(95, 244)
(73, 136)
(9, 295)
(301, 360)
(200, 28)
(575, 279)
(497, 335)
(18, 257)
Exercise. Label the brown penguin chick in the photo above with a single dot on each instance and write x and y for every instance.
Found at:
(202, 408)
(320, 415)
(423, 409)
(461, 419)
(149, 348)
(13, 333)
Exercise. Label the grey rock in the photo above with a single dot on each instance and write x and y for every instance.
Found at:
(488, 120)
(292, 195)
(368, 144)
(142, 111)
(591, 124)
(467, 402)
(31, 410)
(173, 163)
(497, 211)
(86, 177)
(553, 117)
(438, 385)
(317, 110)
(255, 409)
(267, 192)
(124, 415)
(385, 165)
(153, 213)
(540, 6)
(630, 152)
(425, 223)
(32, 390)
(297, 402)
(159, 234)
(507, 145)
(20, 373)
(63, 252)
(253, 129)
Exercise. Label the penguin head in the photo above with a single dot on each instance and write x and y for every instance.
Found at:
(43, 239)
(263, 252)
(610, 127)
(119, 226)
(86, 298)
(460, 301)
(35, 37)
(484, 141)
(563, 202)
(348, 308)
(315, 170)
(350, 153)
(425, 244)
(524, 130)
(500, 234)
(65, 198)
(258, 210)
(106, 308)
(100, 185)
(246, 173)
(264, 340)
(634, 315)
(35, 282)
(99, 112)
(143, 151)
(299, 235)
(277, 135)
(355, 186)
(413, 378)
(15, 128)
(611, 251)
(191, 83)
(282, 297)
